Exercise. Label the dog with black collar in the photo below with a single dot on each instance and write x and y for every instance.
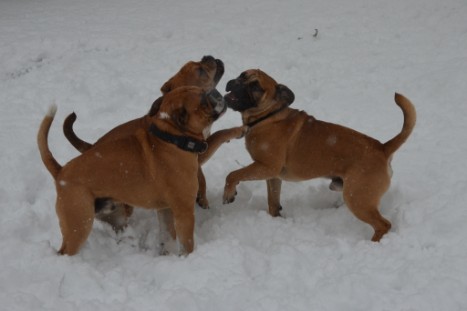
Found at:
(147, 168)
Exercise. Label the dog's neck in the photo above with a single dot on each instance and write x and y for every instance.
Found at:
(185, 143)
(261, 119)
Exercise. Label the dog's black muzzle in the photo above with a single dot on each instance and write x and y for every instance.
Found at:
(238, 97)
(220, 69)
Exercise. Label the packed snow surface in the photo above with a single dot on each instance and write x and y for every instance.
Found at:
(106, 60)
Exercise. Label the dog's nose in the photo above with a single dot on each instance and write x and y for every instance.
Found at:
(208, 58)
(230, 85)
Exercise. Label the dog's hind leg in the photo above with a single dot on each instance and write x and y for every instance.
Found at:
(363, 200)
(75, 210)
(274, 196)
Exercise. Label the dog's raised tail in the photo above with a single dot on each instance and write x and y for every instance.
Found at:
(410, 117)
(43, 143)
(77, 142)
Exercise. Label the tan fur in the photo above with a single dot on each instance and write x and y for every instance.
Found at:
(188, 75)
(139, 170)
(291, 145)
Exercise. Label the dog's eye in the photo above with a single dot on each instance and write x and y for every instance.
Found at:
(243, 76)
(255, 87)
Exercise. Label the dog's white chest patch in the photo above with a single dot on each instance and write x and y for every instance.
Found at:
(207, 131)
(331, 140)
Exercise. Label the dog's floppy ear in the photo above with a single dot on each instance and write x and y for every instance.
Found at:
(283, 93)
(167, 87)
(180, 117)
(155, 106)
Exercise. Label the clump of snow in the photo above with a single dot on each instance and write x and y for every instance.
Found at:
(107, 60)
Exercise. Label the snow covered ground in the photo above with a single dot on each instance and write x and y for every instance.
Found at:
(106, 60)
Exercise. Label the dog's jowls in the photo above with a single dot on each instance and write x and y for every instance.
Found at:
(288, 144)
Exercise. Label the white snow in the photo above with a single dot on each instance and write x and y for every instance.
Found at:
(106, 60)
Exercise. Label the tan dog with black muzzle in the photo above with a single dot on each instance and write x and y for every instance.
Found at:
(155, 167)
(288, 144)
(205, 74)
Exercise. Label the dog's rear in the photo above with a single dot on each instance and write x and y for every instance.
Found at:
(74, 229)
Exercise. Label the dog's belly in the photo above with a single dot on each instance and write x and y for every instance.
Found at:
(301, 174)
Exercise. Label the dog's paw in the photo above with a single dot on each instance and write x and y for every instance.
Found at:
(237, 132)
(242, 131)
(202, 201)
(229, 196)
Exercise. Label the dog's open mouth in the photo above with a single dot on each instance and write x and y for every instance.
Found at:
(231, 98)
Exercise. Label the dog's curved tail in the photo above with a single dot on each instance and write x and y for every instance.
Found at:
(410, 117)
(77, 142)
(43, 143)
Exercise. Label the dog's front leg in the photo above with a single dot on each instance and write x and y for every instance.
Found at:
(184, 220)
(254, 171)
(214, 142)
(166, 229)
(218, 138)
(201, 198)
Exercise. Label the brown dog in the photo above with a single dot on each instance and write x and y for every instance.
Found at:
(154, 167)
(287, 144)
(205, 74)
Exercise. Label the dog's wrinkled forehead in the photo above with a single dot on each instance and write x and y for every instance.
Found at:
(253, 75)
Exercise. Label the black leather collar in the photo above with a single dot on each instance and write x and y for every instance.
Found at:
(183, 142)
(253, 123)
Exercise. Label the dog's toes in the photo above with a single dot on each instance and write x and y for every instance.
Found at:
(228, 199)
(229, 195)
(202, 202)
(275, 212)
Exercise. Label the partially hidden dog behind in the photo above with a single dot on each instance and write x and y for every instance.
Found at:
(205, 74)
(153, 167)
(288, 144)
